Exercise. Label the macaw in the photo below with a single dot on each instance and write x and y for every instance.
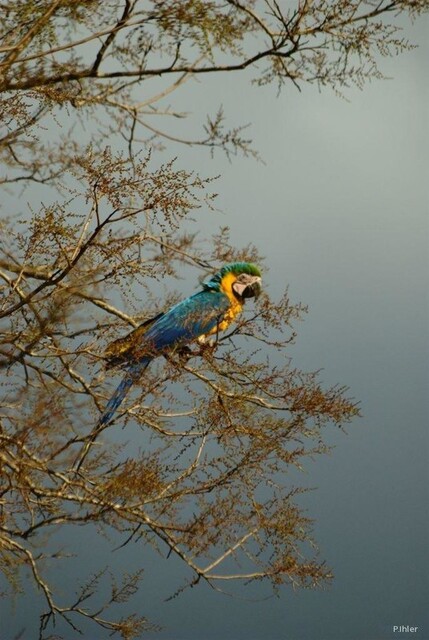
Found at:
(203, 314)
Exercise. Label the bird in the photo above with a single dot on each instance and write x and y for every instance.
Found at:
(199, 316)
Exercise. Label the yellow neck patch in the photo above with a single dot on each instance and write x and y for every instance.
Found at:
(235, 306)
(226, 288)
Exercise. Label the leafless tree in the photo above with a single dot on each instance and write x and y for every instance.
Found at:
(220, 425)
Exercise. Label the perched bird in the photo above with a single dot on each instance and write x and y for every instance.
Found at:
(203, 314)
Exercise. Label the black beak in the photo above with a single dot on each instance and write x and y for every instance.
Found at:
(253, 289)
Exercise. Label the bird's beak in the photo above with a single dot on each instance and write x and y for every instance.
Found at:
(252, 288)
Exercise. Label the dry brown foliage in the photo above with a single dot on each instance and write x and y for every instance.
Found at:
(219, 427)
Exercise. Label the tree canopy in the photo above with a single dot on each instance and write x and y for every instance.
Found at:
(84, 85)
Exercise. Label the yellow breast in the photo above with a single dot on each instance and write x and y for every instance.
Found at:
(235, 306)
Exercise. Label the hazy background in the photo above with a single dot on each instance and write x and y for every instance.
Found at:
(340, 210)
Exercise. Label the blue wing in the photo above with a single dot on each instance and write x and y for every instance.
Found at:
(183, 323)
(186, 321)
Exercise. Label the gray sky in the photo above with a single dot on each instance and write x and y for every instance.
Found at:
(340, 210)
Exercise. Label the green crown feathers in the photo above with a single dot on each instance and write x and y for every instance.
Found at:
(235, 268)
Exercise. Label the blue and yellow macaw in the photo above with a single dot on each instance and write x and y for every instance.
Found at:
(203, 314)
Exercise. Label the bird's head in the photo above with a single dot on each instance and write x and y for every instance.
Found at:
(240, 279)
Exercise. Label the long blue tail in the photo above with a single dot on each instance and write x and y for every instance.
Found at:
(131, 376)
